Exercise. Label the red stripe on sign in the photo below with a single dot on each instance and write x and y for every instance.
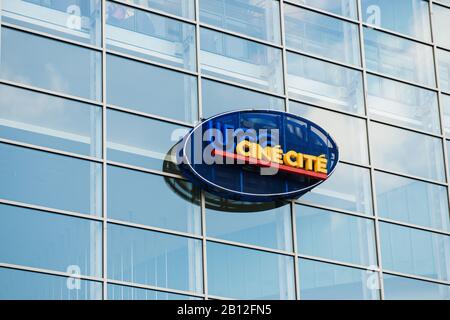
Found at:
(259, 163)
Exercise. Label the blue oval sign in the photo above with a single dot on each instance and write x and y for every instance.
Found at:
(258, 155)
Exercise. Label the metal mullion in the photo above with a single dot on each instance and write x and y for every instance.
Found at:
(145, 170)
(324, 107)
(165, 231)
(47, 271)
(150, 62)
(45, 209)
(49, 92)
(204, 246)
(389, 77)
(441, 4)
(240, 35)
(149, 115)
(413, 226)
(154, 288)
(415, 277)
(327, 13)
(395, 33)
(336, 210)
(405, 175)
(410, 129)
(154, 11)
(337, 262)
(50, 36)
(250, 246)
(323, 59)
(104, 164)
(243, 86)
(49, 150)
(372, 170)
(295, 249)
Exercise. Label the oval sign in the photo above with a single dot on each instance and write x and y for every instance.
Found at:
(258, 155)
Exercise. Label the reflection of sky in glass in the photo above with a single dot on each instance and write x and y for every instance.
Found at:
(407, 152)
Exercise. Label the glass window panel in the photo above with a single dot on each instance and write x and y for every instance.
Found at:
(148, 199)
(117, 292)
(24, 285)
(153, 258)
(324, 83)
(445, 105)
(402, 104)
(182, 8)
(335, 236)
(49, 121)
(270, 228)
(50, 64)
(50, 241)
(410, 17)
(322, 35)
(443, 60)
(150, 36)
(446, 2)
(400, 288)
(415, 252)
(241, 273)
(441, 20)
(346, 8)
(50, 180)
(78, 20)
(219, 97)
(140, 141)
(350, 132)
(347, 189)
(325, 281)
(254, 18)
(407, 152)
(244, 61)
(155, 90)
(412, 201)
(397, 57)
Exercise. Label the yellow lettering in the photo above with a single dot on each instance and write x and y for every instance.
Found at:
(290, 158)
(321, 164)
(244, 148)
(309, 161)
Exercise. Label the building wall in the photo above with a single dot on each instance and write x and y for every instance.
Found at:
(94, 94)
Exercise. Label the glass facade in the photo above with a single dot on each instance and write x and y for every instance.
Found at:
(94, 94)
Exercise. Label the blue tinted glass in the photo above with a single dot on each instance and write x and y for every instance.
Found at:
(324, 281)
(78, 20)
(117, 292)
(415, 252)
(441, 25)
(324, 83)
(54, 181)
(150, 36)
(24, 285)
(249, 274)
(50, 241)
(350, 133)
(132, 197)
(335, 236)
(219, 97)
(392, 149)
(399, 288)
(244, 61)
(258, 19)
(153, 258)
(412, 201)
(402, 104)
(155, 90)
(50, 64)
(49, 121)
(140, 141)
(348, 189)
(322, 35)
(346, 8)
(271, 228)
(443, 60)
(183, 8)
(397, 57)
(445, 105)
(410, 17)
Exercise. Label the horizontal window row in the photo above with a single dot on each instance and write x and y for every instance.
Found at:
(318, 280)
